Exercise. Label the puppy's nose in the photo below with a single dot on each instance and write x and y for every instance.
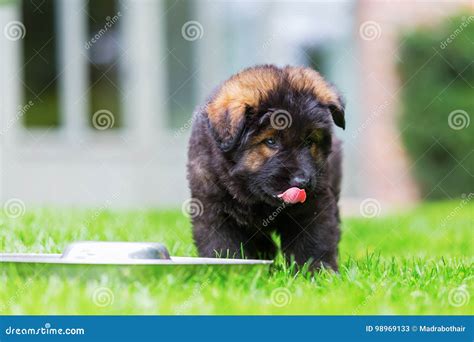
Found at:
(299, 182)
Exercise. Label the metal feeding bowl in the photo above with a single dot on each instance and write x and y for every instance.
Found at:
(119, 253)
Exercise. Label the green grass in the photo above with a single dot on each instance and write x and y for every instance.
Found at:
(418, 262)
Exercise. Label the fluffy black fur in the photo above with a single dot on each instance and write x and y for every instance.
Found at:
(240, 207)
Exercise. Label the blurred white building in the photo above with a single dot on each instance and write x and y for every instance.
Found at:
(96, 96)
(141, 162)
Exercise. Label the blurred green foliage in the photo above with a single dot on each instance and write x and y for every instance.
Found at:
(437, 76)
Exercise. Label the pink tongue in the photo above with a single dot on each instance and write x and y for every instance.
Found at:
(293, 195)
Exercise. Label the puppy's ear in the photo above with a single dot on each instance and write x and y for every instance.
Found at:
(306, 79)
(237, 99)
(337, 110)
(226, 122)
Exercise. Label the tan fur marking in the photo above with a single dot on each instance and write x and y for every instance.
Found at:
(306, 79)
(268, 133)
(314, 151)
(245, 89)
(257, 156)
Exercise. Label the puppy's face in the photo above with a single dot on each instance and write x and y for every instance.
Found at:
(274, 155)
(274, 126)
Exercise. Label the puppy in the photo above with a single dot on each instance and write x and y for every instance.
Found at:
(263, 158)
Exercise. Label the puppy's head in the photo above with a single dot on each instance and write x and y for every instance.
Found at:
(274, 125)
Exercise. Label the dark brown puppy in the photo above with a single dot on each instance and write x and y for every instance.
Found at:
(264, 131)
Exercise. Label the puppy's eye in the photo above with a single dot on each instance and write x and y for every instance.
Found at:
(271, 142)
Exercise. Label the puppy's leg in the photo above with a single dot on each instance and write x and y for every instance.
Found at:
(308, 247)
(225, 239)
(313, 238)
